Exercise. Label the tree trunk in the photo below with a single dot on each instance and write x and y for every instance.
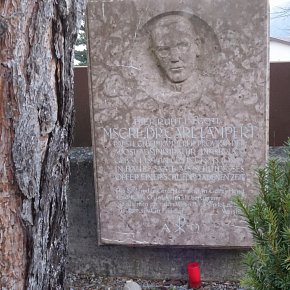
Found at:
(36, 104)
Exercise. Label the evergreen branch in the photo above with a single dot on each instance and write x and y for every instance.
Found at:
(268, 218)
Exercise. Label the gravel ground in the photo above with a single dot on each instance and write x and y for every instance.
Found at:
(92, 282)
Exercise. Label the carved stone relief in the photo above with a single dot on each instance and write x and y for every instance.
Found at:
(178, 95)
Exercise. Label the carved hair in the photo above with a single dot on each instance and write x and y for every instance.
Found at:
(169, 20)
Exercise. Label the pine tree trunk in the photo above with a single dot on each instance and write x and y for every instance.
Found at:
(36, 105)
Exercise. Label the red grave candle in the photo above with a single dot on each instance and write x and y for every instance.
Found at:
(194, 280)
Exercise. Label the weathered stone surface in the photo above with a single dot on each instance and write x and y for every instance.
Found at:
(85, 257)
(178, 91)
(131, 285)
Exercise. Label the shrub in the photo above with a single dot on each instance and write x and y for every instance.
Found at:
(268, 218)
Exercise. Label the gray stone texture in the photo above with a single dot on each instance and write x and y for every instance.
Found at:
(130, 285)
(86, 257)
(179, 117)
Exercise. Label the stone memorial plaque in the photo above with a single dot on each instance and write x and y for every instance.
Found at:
(179, 117)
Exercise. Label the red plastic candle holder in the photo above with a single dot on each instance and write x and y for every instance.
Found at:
(194, 280)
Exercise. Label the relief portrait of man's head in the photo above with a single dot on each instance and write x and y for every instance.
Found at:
(174, 56)
(176, 47)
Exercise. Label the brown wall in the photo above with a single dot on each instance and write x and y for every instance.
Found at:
(82, 131)
(279, 106)
(279, 103)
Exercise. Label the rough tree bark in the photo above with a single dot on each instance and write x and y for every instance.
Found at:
(36, 104)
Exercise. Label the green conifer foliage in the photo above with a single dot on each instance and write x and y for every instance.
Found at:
(268, 218)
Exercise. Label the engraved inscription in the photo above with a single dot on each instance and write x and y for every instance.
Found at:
(178, 112)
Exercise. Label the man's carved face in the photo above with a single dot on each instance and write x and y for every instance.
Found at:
(173, 43)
